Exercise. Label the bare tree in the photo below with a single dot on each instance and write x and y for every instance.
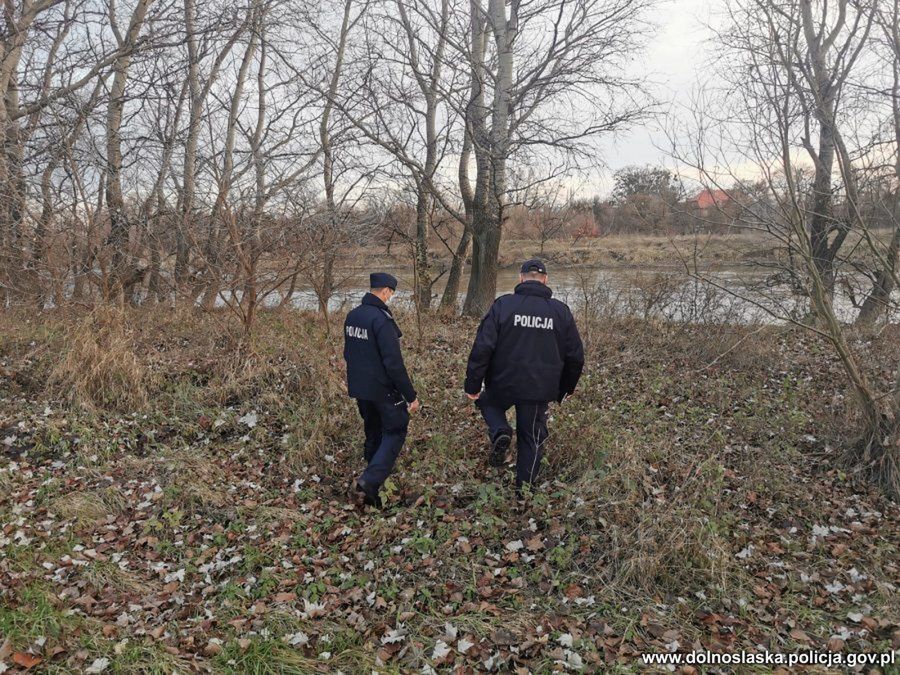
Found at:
(199, 42)
(266, 250)
(885, 277)
(326, 286)
(398, 102)
(540, 56)
(504, 116)
(780, 82)
(120, 280)
(33, 77)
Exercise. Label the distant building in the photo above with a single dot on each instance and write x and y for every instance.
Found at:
(709, 198)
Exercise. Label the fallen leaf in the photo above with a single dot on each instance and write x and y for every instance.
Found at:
(98, 666)
(573, 591)
(800, 636)
(26, 660)
(212, 648)
(534, 544)
(285, 597)
(300, 639)
(441, 651)
(394, 635)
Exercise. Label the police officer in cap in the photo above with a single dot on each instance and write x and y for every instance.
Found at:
(527, 353)
(377, 379)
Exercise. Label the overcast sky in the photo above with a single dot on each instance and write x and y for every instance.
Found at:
(676, 62)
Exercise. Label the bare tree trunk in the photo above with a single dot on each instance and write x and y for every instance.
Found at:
(820, 218)
(454, 276)
(877, 302)
(429, 84)
(423, 226)
(182, 251)
(486, 234)
(825, 80)
(198, 97)
(154, 271)
(120, 279)
(490, 195)
(878, 299)
(12, 195)
(473, 108)
(43, 227)
(253, 249)
(292, 287)
(477, 128)
(221, 204)
(325, 287)
(88, 253)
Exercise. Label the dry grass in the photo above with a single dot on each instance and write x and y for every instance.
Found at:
(87, 506)
(6, 483)
(639, 249)
(109, 575)
(655, 512)
(194, 476)
(99, 368)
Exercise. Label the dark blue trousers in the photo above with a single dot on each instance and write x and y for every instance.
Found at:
(531, 431)
(385, 424)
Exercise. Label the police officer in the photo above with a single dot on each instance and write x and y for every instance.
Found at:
(527, 352)
(377, 379)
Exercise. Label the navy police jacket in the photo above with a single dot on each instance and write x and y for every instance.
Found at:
(527, 348)
(375, 369)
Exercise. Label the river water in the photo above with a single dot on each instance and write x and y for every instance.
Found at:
(732, 294)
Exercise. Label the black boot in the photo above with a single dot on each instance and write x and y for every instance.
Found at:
(370, 493)
(499, 448)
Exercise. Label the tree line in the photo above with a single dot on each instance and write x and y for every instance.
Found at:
(209, 152)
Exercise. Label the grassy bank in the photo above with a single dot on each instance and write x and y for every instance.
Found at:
(623, 251)
(167, 504)
(641, 250)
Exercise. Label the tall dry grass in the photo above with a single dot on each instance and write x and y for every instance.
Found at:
(99, 367)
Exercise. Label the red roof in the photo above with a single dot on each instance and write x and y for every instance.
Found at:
(709, 198)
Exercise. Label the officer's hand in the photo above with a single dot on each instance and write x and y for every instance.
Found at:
(414, 406)
(473, 397)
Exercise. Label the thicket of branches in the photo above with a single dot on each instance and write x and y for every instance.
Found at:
(810, 106)
(215, 152)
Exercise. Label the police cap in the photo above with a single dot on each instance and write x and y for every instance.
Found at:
(382, 280)
(533, 265)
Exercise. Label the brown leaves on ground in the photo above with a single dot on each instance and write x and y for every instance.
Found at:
(214, 532)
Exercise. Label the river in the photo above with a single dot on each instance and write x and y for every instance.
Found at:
(748, 294)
